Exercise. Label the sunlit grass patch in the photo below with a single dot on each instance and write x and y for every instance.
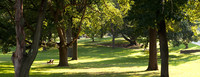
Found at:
(100, 61)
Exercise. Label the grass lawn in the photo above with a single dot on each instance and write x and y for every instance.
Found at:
(100, 61)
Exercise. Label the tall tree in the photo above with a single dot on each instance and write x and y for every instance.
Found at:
(75, 46)
(169, 10)
(113, 32)
(59, 17)
(156, 16)
(163, 49)
(61, 33)
(139, 14)
(22, 60)
(152, 50)
(69, 36)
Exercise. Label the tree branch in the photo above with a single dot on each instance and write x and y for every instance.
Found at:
(95, 10)
(71, 5)
(12, 17)
(28, 41)
(33, 3)
(74, 39)
(11, 1)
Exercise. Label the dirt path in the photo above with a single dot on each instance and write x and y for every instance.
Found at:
(197, 43)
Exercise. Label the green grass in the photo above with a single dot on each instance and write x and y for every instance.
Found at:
(99, 61)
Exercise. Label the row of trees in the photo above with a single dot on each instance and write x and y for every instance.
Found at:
(43, 20)
(51, 18)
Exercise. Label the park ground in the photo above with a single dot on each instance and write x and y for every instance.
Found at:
(96, 60)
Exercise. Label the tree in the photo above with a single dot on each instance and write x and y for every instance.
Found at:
(91, 31)
(184, 32)
(114, 34)
(139, 14)
(131, 31)
(75, 46)
(152, 50)
(69, 37)
(162, 15)
(156, 17)
(22, 60)
(103, 30)
(59, 14)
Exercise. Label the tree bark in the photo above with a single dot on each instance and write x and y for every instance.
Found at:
(152, 50)
(186, 45)
(75, 51)
(164, 53)
(113, 41)
(63, 60)
(58, 16)
(69, 38)
(101, 33)
(163, 48)
(22, 61)
(146, 44)
(129, 40)
(92, 38)
(102, 30)
(113, 35)
(18, 56)
(75, 46)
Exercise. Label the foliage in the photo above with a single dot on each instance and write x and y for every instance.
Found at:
(192, 10)
(132, 31)
(91, 31)
(7, 30)
(183, 34)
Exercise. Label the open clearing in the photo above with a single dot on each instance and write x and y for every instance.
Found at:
(100, 61)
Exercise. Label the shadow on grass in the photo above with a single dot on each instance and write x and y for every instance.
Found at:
(180, 59)
(99, 74)
(6, 70)
(118, 62)
(105, 52)
(89, 51)
(7, 75)
(182, 47)
(119, 57)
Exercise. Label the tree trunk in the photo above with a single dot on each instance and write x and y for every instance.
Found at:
(92, 38)
(49, 37)
(22, 61)
(58, 16)
(75, 51)
(102, 34)
(186, 45)
(146, 45)
(129, 40)
(62, 55)
(102, 31)
(75, 46)
(69, 38)
(113, 41)
(44, 46)
(113, 35)
(76, 32)
(18, 57)
(63, 60)
(152, 50)
(163, 48)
